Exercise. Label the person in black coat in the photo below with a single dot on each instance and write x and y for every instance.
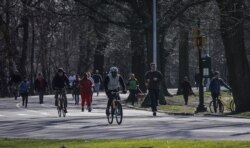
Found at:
(186, 89)
(40, 86)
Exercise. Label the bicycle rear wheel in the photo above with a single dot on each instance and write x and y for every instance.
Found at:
(118, 113)
(110, 115)
(232, 106)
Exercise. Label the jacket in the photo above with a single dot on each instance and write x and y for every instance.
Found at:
(215, 85)
(60, 81)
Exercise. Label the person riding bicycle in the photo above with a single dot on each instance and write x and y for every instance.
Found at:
(214, 87)
(60, 81)
(112, 83)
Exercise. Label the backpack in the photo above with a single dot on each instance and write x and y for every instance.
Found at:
(24, 87)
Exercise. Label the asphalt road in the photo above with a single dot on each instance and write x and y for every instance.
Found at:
(42, 121)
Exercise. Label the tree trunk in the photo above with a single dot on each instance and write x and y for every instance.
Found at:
(183, 57)
(232, 16)
(23, 60)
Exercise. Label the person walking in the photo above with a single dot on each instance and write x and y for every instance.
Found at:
(132, 86)
(86, 91)
(76, 89)
(153, 78)
(186, 89)
(24, 91)
(40, 86)
(214, 87)
(97, 81)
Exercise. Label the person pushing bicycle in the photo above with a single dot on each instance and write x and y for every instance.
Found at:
(214, 87)
(112, 82)
(60, 82)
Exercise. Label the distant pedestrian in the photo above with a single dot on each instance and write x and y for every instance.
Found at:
(76, 90)
(86, 91)
(214, 87)
(186, 89)
(40, 86)
(197, 80)
(153, 78)
(24, 91)
(97, 80)
(132, 86)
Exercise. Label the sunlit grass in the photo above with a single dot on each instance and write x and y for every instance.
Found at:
(128, 143)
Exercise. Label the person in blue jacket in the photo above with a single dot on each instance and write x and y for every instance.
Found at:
(24, 91)
(215, 87)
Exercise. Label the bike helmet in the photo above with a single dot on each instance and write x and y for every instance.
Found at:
(113, 69)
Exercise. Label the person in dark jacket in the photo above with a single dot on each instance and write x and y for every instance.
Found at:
(153, 79)
(40, 86)
(186, 89)
(59, 82)
(112, 83)
(14, 83)
(214, 87)
(24, 88)
(97, 80)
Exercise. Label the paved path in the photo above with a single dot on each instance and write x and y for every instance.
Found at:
(41, 121)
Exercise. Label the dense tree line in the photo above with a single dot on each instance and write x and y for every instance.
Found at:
(40, 36)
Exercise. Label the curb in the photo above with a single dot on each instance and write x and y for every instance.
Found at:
(188, 114)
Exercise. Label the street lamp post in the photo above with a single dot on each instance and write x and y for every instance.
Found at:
(154, 33)
(201, 107)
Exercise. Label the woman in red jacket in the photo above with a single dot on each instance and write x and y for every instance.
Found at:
(86, 91)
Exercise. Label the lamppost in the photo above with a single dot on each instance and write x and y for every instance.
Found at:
(199, 41)
(154, 33)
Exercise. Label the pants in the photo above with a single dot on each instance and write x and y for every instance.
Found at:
(185, 96)
(86, 97)
(41, 93)
(64, 95)
(154, 97)
(111, 97)
(97, 88)
(215, 100)
(76, 97)
(132, 96)
(25, 99)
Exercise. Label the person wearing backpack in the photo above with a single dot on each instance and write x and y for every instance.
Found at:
(24, 91)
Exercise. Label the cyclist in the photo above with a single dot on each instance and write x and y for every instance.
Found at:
(214, 87)
(112, 83)
(60, 81)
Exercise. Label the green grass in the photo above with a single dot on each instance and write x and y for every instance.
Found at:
(177, 108)
(31, 143)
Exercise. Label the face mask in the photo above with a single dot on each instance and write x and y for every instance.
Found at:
(114, 74)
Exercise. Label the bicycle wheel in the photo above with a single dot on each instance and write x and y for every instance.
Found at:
(59, 108)
(232, 106)
(118, 113)
(110, 115)
(222, 106)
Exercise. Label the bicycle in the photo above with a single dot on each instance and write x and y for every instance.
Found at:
(61, 103)
(226, 102)
(115, 109)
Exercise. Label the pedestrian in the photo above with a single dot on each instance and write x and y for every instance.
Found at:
(93, 84)
(14, 83)
(186, 89)
(97, 81)
(76, 89)
(86, 91)
(24, 91)
(132, 86)
(214, 87)
(40, 86)
(153, 78)
(197, 80)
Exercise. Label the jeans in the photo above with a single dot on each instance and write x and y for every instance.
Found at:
(154, 97)
(132, 96)
(215, 97)
(97, 88)
(41, 93)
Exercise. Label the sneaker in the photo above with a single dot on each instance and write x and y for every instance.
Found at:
(65, 110)
(89, 109)
(154, 113)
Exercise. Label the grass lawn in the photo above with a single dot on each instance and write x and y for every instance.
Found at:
(30, 143)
